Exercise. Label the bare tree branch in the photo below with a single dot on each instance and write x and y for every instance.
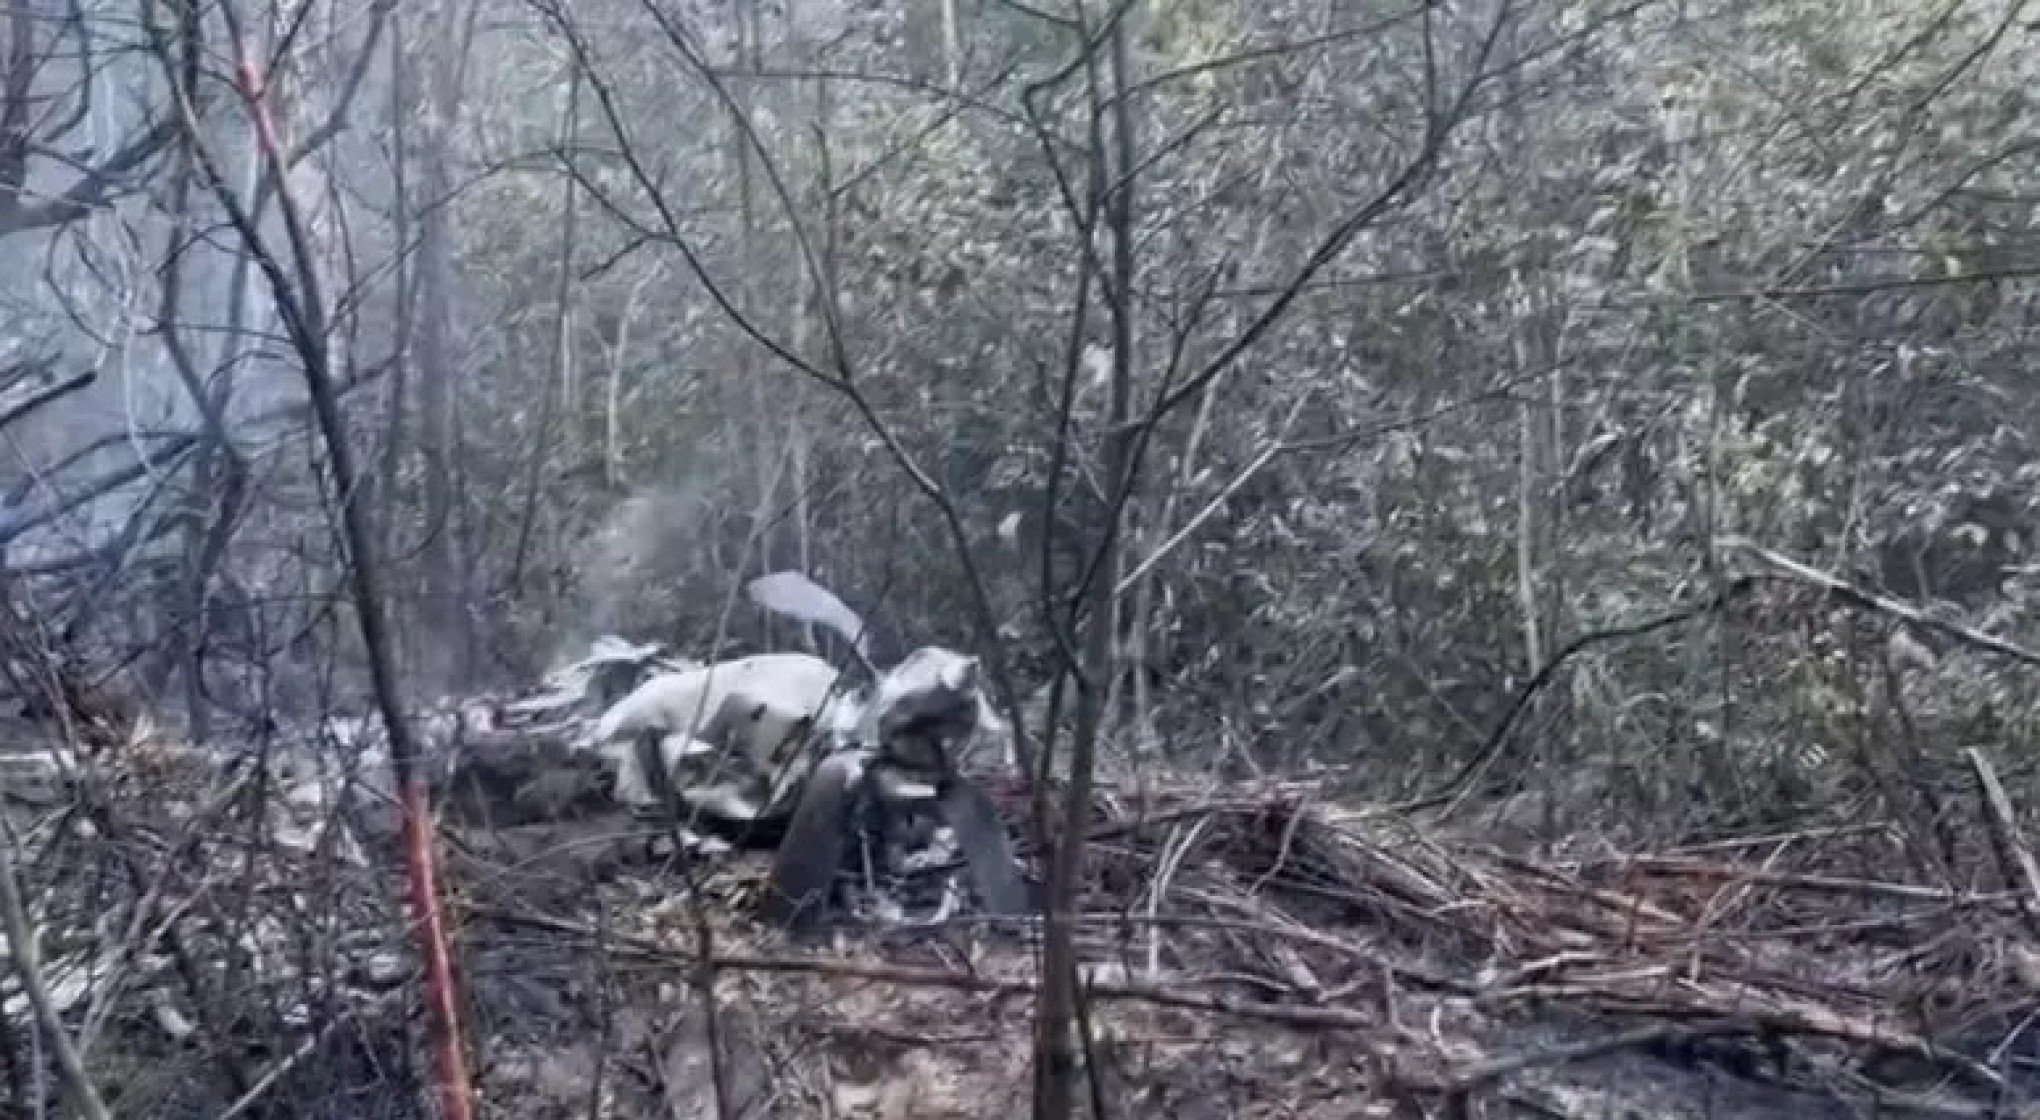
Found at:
(23, 395)
(22, 941)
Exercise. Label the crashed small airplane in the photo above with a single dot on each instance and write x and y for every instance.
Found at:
(782, 743)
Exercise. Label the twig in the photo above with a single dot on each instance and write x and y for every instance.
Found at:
(1830, 884)
(15, 406)
(168, 447)
(1730, 843)
(1211, 508)
(1901, 283)
(1487, 1073)
(1334, 1017)
(1455, 789)
(21, 938)
(896, 1037)
(1871, 600)
(296, 1057)
(648, 950)
(605, 1013)
(2012, 852)
(1415, 974)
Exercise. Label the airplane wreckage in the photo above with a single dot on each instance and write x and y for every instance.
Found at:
(841, 772)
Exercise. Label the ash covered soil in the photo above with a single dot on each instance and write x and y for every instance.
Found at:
(228, 939)
(1267, 955)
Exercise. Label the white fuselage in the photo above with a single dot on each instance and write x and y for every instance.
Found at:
(766, 705)
(759, 705)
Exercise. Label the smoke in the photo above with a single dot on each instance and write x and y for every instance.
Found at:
(640, 572)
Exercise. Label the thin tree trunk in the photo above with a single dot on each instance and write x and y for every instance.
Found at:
(404, 276)
(220, 471)
(445, 615)
(809, 321)
(1526, 534)
(566, 392)
(952, 45)
(756, 255)
(435, 418)
(1055, 1061)
(1140, 627)
(1553, 590)
(619, 361)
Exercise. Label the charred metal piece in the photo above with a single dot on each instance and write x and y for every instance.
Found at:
(772, 748)
(805, 868)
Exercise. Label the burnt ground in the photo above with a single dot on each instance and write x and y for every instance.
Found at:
(229, 945)
(1266, 956)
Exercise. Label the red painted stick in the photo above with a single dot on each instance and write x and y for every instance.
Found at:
(456, 1092)
(455, 1095)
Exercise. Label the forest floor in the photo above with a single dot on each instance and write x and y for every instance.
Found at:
(1269, 955)
(1262, 952)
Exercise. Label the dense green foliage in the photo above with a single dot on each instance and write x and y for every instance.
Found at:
(1678, 275)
